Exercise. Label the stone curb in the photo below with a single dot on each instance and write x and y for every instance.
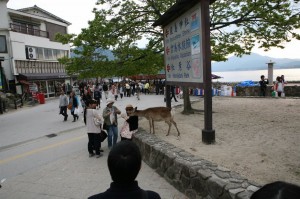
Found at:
(195, 177)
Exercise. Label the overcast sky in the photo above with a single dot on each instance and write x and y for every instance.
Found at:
(79, 12)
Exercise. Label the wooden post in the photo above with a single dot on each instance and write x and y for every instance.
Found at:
(208, 134)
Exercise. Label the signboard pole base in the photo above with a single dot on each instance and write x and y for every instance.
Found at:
(208, 136)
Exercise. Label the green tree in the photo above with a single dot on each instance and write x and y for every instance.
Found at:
(236, 27)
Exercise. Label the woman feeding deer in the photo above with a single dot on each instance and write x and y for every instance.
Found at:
(130, 125)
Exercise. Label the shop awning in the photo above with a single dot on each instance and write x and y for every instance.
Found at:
(146, 77)
(42, 76)
(24, 82)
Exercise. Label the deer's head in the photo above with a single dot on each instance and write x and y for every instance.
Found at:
(133, 112)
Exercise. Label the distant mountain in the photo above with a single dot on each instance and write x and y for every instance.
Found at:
(253, 62)
(107, 53)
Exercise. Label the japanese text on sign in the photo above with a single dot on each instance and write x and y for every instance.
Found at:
(183, 57)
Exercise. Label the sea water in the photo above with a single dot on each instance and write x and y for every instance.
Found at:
(292, 74)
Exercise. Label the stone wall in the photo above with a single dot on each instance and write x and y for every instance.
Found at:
(290, 91)
(197, 178)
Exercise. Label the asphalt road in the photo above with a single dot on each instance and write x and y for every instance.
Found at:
(24, 144)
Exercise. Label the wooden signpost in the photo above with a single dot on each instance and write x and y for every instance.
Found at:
(186, 28)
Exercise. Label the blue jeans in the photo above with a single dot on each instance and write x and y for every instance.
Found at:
(112, 135)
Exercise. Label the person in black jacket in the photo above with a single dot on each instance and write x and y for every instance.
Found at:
(74, 101)
(173, 93)
(277, 190)
(105, 89)
(124, 163)
(86, 98)
(263, 85)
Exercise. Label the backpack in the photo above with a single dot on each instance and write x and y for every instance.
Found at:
(105, 87)
(96, 94)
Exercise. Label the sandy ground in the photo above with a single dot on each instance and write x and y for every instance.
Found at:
(256, 137)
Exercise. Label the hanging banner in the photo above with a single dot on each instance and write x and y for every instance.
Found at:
(182, 41)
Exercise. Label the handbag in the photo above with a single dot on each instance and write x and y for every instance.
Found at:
(76, 111)
(103, 135)
(70, 106)
(125, 132)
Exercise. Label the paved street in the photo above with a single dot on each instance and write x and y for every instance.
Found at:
(36, 166)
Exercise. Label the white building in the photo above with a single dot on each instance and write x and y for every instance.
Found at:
(29, 52)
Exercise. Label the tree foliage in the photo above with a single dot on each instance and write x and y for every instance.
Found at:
(236, 27)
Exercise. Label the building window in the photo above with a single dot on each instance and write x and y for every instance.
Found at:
(66, 53)
(56, 54)
(39, 53)
(26, 28)
(3, 46)
(48, 54)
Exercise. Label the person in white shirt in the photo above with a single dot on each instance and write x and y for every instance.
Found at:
(279, 86)
(93, 129)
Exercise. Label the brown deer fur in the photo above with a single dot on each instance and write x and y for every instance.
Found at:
(157, 114)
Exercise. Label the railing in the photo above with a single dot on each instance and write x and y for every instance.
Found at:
(29, 31)
(39, 67)
(6, 103)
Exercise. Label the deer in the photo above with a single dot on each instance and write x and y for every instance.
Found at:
(157, 114)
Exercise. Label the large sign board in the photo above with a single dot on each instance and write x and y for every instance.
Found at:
(183, 48)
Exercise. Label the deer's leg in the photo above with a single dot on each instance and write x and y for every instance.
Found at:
(170, 124)
(150, 124)
(176, 127)
(153, 126)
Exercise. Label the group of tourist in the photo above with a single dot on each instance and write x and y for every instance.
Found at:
(124, 159)
(108, 90)
(109, 123)
(278, 86)
(72, 103)
(88, 91)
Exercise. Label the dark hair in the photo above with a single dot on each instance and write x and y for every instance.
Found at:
(92, 101)
(262, 76)
(124, 162)
(278, 78)
(277, 190)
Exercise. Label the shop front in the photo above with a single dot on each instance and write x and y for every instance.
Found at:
(48, 84)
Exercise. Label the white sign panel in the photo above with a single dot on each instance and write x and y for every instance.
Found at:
(182, 40)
